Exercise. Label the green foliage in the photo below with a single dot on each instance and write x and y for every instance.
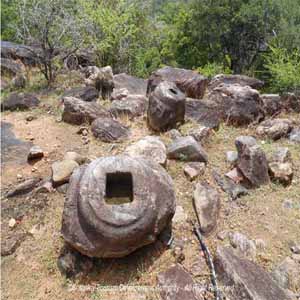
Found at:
(9, 17)
(284, 68)
(212, 69)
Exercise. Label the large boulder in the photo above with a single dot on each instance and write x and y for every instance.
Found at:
(206, 113)
(150, 147)
(134, 85)
(252, 161)
(131, 106)
(242, 80)
(100, 78)
(186, 149)
(109, 130)
(207, 204)
(76, 111)
(291, 102)
(86, 93)
(275, 128)
(21, 101)
(116, 205)
(245, 280)
(189, 82)
(237, 105)
(166, 107)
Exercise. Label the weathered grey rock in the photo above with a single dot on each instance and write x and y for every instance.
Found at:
(291, 102)
(76, 111)
(281, 155)
(19, 81)
(189, 82)
(233, 189)
(206, 113)
(272, 103)
(11, 242)
(10, 67)
(275, 128)
(287, 274)
(235, 175)
(244, 279)
(150, 147)
(3, 84)
(281, 172)
(62, 170)
(235, 79)
(231, 157)
(134, 85)
(177, 284)
(131, 106)
(186, 149)
(86, 93)
(294, 136)
(100, 78)
(194, 169)
(200, 133)
(63, 189)
(166, 107)
(252, 161)
(119, 94)
(108, 130)
(207, 204)
(116, 205)
(180, 216)
(174, 134)
(24, 187)
(21, 101)
(237, 105)
(35, 152)
(242, 244)
(71, 155)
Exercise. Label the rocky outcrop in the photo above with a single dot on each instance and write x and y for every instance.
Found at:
(189, 82)
(150, 147)
(252, 161)
(186, 149)
(87, 93)
(166, 107)
(134, 85)
(109, 130)
(245, 280)
(20, 101)
(275, 128)
(207, 204)
(10, 67)
(116, 205)
(235, 79)
(236, 104)
(76, 111)
(131, 106)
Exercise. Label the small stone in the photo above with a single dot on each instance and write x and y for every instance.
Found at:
(82, 129)
(70, 155)
(62, 170)
(34, 169)
(231, 157)
(235, 175)
(180, 216)
(178, 254)
(207, 204)
(174, 134)
(201, 133)
(260, 244)
(296, 249)
(35, 152)
(19, 177)
(187, 149)
(281, 172)
(222, 235)
(12, 223)
(30, 118)
(62, 189)
(281, 155)
(24, 187)
(243, 245)
(193, 170)
(274, 128)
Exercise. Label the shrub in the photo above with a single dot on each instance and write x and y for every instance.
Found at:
(212, 69)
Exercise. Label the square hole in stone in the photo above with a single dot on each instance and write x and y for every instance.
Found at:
(119, 188)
